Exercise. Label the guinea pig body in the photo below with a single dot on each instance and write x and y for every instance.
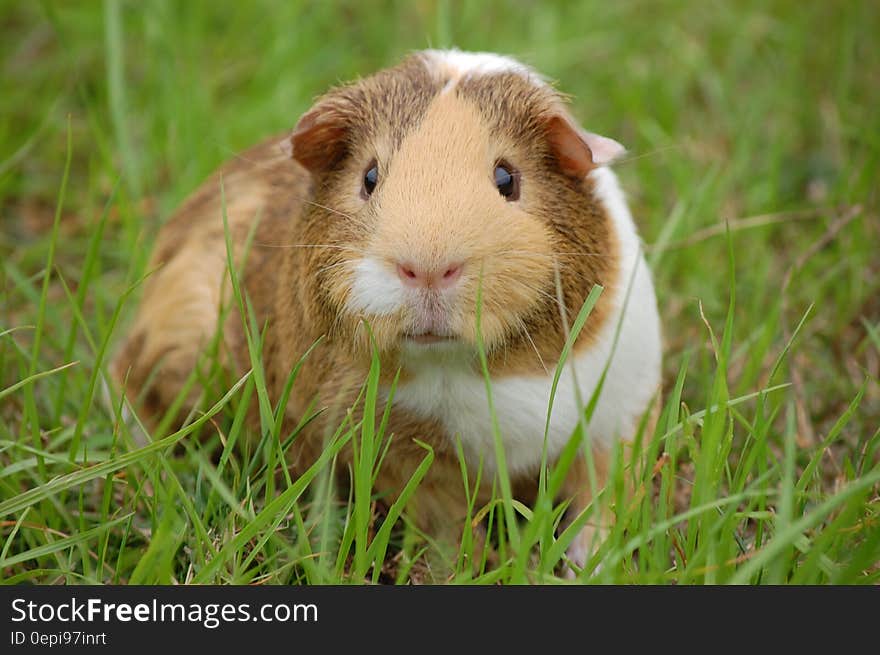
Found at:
(403, 208)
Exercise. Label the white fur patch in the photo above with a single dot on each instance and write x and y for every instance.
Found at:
(375, 288)
(478, 63)
(457, 397)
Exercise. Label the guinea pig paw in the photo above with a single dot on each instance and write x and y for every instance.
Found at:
(576, 558)
(579, 552)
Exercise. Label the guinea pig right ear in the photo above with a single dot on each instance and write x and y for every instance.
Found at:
(578, 151)
(319, 138)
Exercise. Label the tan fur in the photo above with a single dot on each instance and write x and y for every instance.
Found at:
(188, 283)
(472, 225)
(436, 202)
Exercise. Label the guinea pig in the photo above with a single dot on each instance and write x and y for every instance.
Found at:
(396, 203)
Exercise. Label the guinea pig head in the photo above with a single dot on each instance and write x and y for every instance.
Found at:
(446, 193)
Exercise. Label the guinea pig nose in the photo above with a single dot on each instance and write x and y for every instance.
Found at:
(442, 277)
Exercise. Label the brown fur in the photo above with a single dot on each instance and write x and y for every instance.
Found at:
(435, 200)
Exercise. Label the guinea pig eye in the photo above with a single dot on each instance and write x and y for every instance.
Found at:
(371, 179)
(507, 181)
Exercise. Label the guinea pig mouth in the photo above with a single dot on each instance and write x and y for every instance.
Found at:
(429, 322)
(426, 338)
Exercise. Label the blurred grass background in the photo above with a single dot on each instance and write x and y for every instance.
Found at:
(759, 115)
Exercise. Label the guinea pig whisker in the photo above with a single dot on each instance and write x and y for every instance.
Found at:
(344, 262)
(525, 331)
(539, 291)
(332, 210)
(354, 219)
(649, 153)
(509, 279)
(553, 256)
(580, 253)
(328, 246)
(548, 296)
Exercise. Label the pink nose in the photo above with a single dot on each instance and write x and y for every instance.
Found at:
(418, 277)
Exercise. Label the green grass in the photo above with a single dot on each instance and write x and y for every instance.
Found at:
(753, 168)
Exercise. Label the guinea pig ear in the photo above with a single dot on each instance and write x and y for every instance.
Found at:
(319, 138)
(578, 151)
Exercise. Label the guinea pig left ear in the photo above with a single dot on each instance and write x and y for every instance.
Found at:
(578, 151)
(319, 138)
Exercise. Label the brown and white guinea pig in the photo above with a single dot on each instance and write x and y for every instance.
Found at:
(394, 199)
